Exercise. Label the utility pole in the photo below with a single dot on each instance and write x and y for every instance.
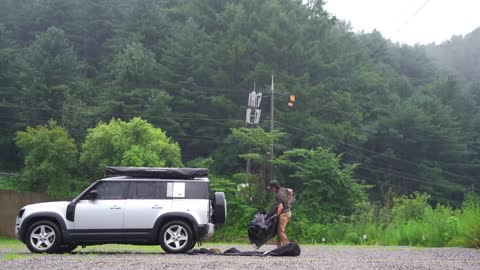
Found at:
(253, 118)
(272, 107)
(272, 127)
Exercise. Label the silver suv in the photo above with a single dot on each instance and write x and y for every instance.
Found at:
(145, 206)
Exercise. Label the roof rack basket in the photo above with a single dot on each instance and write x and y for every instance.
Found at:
(162, 173)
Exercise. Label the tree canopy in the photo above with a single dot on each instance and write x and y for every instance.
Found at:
(135, 143)
(50, 157)
(187, 67)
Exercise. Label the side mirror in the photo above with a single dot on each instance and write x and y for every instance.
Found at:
(92, 195)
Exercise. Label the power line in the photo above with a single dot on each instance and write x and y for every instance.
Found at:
(220, 93)
(371, 151)
(386, 163)
(8, 174)
(412, 179)
(411, 17)
(325, 106)
(214, 119)
(124, 114)
(192, 88)
(398, 173)
(202, 139)
(349, 113)
(400, 28)
(402, 175)
(224, 119)
(184, 137)
(178, 137)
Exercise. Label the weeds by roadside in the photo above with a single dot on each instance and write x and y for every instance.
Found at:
(409, 221)
(405, 221)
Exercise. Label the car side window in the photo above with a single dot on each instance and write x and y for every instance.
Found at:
(197, 190)
(111, 190)
(148, 190)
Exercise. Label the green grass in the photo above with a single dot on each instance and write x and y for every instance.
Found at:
(5, 240)
(11, 256)
(11, 249)
(15, 245)
(11, 244)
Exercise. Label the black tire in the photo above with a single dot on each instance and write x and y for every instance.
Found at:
(219, 209)
(43, 237)
(66, 248)
(192, 245)
(176, 237)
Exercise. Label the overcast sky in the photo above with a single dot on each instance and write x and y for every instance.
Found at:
(438, 21)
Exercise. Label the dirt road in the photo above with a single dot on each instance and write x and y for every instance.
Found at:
(313, 257)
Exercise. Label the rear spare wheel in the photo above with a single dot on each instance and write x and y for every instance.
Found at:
(219, 209)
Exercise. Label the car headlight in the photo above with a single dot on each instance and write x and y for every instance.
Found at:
(20, 214)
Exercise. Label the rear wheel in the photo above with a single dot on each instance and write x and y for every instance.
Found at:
(176, 237)
(43, 236)
(219, 209)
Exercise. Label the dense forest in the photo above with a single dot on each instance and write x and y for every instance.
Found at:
(372, 118)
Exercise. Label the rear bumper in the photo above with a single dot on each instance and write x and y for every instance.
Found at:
(205, 231)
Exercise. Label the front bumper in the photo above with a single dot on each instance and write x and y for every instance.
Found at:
(205, 231)
(18, 223)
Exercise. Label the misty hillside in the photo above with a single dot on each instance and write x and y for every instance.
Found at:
(187, 67)
(460, 56)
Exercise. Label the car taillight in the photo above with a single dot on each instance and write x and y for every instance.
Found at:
(20, 214)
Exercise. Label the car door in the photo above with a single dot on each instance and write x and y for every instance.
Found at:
(192, 197)
(105, 214)
(147, 200)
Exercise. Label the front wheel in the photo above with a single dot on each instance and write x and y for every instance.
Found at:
(176, 237)
(43, 236)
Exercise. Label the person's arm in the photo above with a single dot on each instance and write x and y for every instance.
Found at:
(279, 209)
(289, 194)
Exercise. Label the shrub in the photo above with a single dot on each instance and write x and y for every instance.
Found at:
(8, 182)
(353, 238)
(469, 222)
(410, 207)
(451, 230)
(49, 154)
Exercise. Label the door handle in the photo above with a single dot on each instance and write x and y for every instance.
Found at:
(115, 207)
(157, 207)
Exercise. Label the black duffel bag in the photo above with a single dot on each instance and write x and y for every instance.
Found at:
(262, 228)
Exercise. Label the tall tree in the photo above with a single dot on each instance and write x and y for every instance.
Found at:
(10, 78)
(52, 70)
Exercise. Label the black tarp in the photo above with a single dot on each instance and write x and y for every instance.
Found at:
(262, 228)
(289, 250)
(163, 173)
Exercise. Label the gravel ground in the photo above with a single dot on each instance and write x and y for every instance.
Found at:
(312, 257)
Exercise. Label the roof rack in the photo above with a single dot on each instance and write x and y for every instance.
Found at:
(162, 173)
